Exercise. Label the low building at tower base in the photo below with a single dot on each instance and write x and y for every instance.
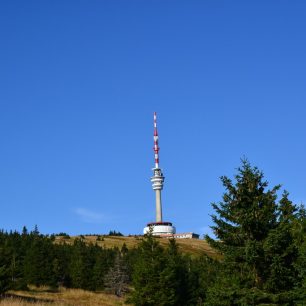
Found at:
(189, 235)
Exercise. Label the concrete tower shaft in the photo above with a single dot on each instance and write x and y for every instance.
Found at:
(157, 185)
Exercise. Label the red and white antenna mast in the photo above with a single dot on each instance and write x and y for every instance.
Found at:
(156, 148)
(157, 179)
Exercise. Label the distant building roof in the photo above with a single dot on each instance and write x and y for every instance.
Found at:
(187, 235)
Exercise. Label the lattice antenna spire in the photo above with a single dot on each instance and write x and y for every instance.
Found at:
(156, 147)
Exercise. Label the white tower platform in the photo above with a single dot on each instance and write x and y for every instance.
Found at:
(159, 228)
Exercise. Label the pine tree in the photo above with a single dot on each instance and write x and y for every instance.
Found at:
(280, 250)
(299, 233)
(202, 274)
(160, 277)
(38, 262)
(24, 231)
(174, 277)
(60, 264)
(4, 278)
(146, 271)
(103, 261)
(5, 255)
(76, 267)
(253, 233)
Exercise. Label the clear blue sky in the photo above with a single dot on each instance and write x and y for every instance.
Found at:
(80, 80)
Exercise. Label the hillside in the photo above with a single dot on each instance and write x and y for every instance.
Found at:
(193, 247)
(70, 297)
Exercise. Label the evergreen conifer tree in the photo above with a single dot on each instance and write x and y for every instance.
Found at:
(146, 273)
(202, 274)
(77, 267)
(4, 278)
(103, 261)
(280, 250)
(38, 262)
(254, 237)
(174, 277)
(299, 233)
(159, 276)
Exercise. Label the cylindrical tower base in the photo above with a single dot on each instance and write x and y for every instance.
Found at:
(159, 228)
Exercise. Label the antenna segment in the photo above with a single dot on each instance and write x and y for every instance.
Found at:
(156, 148)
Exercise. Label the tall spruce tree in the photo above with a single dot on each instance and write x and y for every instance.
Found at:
(174, 277)
(38, 260)
(159, 276)
(5, 280)
(299, 233)
(146, 272)
(280, 250)
(202, 274)
(77, 270)
(103, 261)
(253, 233)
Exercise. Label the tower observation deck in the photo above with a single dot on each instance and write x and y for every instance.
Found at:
(159, 227)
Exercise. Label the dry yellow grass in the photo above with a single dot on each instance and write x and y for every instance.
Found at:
(194, 247)
(62, 297)
(19, 302)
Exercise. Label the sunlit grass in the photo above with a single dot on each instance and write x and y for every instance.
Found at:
(62, 297)
(193, 247)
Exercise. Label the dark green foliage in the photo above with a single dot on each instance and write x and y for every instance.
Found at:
(299, 233)
(160, 277)
(104, 260)
(83, 259)
(60, 264)
(38, 262)
(4, 270)
(4, 279)
(89, 264)
(174, 277)
(280, 250)
(32, 258)
(114, 233)
(202, 275)
(64, 235)
(256, 238)
(150, 263)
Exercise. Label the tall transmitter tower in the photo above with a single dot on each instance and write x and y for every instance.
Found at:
(159, 227)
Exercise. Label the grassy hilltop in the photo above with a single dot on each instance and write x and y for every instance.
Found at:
(193, 247)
